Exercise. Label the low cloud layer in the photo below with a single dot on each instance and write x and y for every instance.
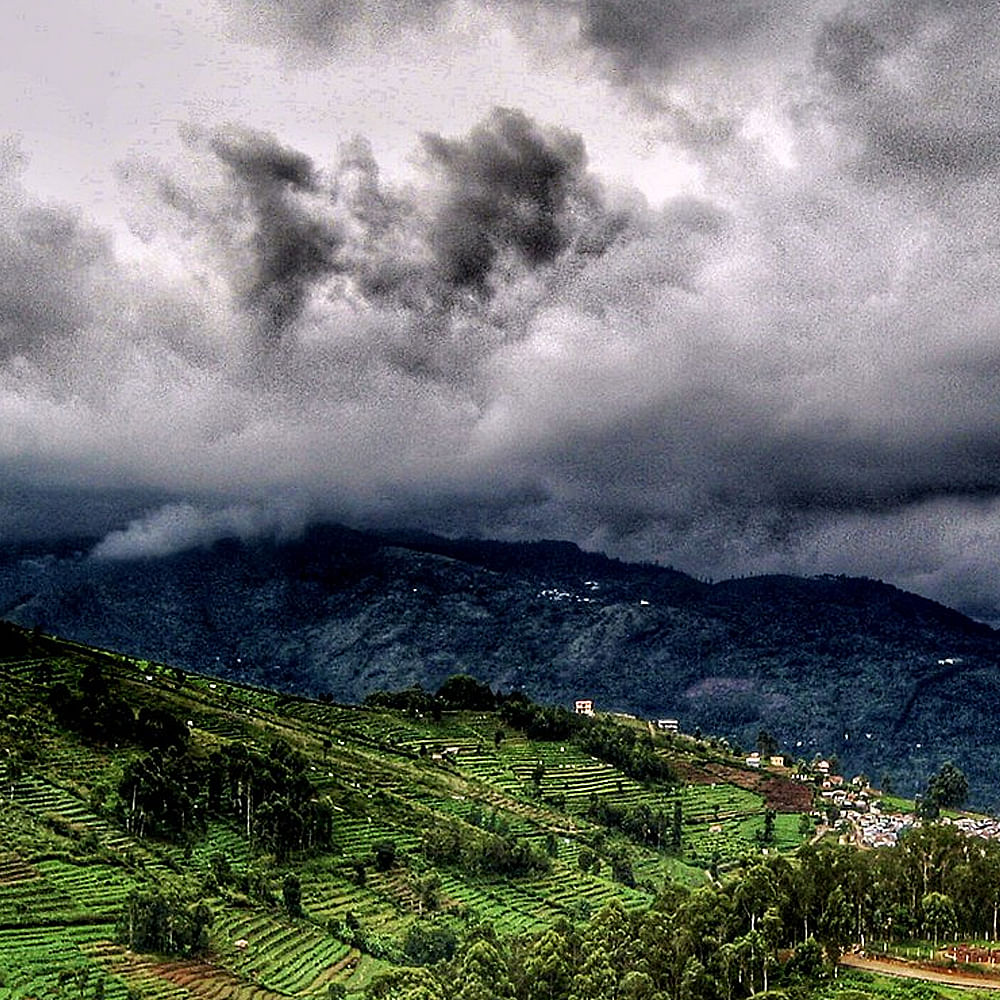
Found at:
(792, 367)
(177, 527)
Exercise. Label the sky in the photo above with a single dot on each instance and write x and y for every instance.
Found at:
(708, 284)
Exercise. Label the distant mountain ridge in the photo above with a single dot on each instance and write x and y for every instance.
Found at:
(892, 683)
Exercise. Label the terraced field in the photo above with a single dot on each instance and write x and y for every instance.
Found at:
(67, 865)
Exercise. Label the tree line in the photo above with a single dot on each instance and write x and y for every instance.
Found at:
(270, 797)
(781, 922)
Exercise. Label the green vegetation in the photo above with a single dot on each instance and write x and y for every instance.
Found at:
(948, 789)
(165, 834)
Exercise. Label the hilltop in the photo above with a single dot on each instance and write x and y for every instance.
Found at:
(893, 683)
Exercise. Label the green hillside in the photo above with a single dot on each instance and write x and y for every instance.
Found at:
(169, 836)
(893, 683)
(397, 830)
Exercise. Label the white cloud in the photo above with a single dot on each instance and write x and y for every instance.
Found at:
(179, 526)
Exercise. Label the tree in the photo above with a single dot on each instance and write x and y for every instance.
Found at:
(427, 889)
(385, 855)
(939, 914)
(767, 745)
(767, 836)
(596, 978)
(483, 974)
(806, 961)
(949, 788)
(835, 924)
(696, 983)
(551, 845)
(463, 691)
(163, 919)
(546, 968)
(406, 984)
(621, 866)
(429, 942)
(291, 894)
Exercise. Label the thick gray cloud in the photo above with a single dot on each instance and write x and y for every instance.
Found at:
(511, 187)
(291, 248)
(50, 248)
(643, 36)
(267, 218)
(637, 37)
(793, 366)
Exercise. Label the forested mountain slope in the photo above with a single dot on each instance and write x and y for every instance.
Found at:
(893, 683)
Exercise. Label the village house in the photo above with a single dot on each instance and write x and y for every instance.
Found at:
(668, 725)
(584, 706)
(753, 759)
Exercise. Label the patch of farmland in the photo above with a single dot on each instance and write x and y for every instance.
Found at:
(69, 815)
(156, 978)
(331, 896)
(779, 791)
(32, 959)
(285, 956)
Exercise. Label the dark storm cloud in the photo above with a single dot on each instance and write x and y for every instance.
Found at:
(797, 370)
(292, 248)
(425, 272)
(511, 186)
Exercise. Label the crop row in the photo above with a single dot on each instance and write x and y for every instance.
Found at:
(13, 869)
(156, 978)
(32, 958)
(283, 956)
(331, 897)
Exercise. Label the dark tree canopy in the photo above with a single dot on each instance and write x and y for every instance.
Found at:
(949, 788)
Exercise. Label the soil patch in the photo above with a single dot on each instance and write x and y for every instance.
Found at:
(778, 792)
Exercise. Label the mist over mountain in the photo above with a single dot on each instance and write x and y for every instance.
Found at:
(892, 683)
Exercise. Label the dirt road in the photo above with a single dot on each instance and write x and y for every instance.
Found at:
(910, 971)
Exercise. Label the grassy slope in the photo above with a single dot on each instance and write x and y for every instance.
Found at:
(66, 866)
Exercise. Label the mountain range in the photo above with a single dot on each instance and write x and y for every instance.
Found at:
(890, 683)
